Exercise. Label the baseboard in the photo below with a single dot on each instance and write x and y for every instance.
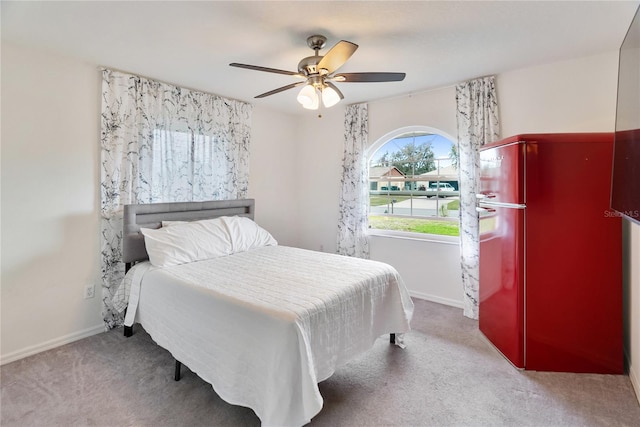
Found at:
(48, 345)
(635, 382)
(440, 300)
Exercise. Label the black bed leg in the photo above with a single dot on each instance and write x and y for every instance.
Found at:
(128, 331)
(177, 374)
(392, 338)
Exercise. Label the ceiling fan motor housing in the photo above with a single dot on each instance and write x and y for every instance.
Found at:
(309, 65)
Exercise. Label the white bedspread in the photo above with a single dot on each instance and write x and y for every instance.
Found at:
(265, 326)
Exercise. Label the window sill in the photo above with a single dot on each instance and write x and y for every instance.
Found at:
(433, 238)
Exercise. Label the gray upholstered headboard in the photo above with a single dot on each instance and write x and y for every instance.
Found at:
(151, 215)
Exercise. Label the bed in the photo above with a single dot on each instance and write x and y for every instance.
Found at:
(262, 323)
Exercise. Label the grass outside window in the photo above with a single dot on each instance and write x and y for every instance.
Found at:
(414, 225)
(431, 225)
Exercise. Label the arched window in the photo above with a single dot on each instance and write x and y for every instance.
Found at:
(413, 182)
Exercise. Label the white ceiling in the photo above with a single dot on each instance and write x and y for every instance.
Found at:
(437, 43)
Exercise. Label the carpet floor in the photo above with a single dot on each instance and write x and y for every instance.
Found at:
(449, 375)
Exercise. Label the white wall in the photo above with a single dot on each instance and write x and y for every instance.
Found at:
(631, 277)
(577, 95)
(430, 269)
(50, 198)
(320, 144)
(272, 177)
(434, 108)
(50, 141)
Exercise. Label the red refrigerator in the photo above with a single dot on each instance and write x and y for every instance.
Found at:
(551, 253)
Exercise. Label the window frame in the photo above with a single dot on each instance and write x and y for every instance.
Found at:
(373, 148)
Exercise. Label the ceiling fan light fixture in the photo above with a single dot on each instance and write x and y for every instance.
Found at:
(329, 97)
(308, 97)
(314, 105)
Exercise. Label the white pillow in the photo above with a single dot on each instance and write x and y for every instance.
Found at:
(170, 223)
(246, 234)
(187, 242)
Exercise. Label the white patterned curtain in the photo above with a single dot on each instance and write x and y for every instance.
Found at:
(163, 143)
(353, 220)
(478, 124)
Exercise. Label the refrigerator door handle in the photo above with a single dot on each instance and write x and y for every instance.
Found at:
(483, 210)
(482, 196)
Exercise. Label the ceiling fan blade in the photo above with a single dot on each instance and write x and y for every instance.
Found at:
(332, 86)
(281, 89)
(268, 70)
(337, 56)
(368, 77)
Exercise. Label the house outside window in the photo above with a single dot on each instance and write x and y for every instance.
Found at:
(413, 184)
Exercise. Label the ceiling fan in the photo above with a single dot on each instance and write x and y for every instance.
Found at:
(318, 74)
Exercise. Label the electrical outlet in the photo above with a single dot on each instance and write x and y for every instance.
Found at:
(89, 291)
